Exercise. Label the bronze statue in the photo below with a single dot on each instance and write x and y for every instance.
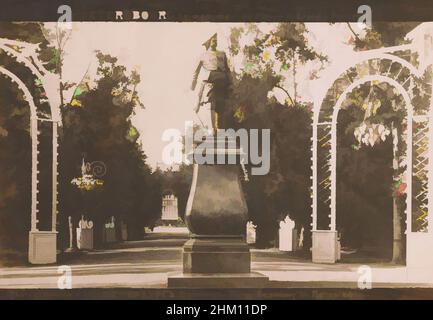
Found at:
(218, 81)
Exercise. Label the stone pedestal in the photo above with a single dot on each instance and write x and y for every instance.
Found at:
(109, 231)
(288, 240)
(216, 206)
(42, 247)
(109, 235)
(217, 255)
(85, 239)
(288, 235)
(325, 246)
(251, 233)
(124, 231)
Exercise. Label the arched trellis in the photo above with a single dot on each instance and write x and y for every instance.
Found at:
(390, 66)
(42, 244)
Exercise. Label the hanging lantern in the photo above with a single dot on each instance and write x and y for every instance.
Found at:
(87, 181)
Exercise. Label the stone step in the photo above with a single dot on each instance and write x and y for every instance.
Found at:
(217, 280)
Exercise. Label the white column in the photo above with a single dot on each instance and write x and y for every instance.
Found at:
(34, 137)
(314, 178)
(54, 173)
(333, 176)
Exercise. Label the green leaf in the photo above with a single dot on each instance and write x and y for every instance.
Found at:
(78, 91)
(38, 82)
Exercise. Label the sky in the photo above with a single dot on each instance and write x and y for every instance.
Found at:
(166, 55)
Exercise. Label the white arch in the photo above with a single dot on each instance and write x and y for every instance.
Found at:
(23, 88)
(358, 59)
(20, 57)
(409, 108)
(34, 138)
(370, 78)
(418, 244)
(48, 79)
(40, 252)
(362, 57)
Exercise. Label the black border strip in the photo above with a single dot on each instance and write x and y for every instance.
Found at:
(220, 10)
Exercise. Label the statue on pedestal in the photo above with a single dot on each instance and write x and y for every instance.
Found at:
(216, 255)
(214, 89)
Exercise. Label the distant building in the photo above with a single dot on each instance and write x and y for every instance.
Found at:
(169, 208)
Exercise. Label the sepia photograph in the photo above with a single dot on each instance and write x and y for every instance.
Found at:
(148, 153)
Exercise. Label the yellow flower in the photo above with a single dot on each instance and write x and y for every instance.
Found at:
(239, 114)
(376, 105)
(266, 55)
(115, 92)
(76, 103)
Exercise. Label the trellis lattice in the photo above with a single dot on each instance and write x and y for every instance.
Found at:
(385, 66)
(324, 176)
(420, 164)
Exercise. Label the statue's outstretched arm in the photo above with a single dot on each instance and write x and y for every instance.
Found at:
(195, 76)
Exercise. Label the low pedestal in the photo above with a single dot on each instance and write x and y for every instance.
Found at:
(109, 235)
(325, 246)
(42, 247)
(216, 263)
(85, 239)
(216, 255)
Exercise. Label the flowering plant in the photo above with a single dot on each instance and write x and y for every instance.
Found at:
(371, 133)
(87, 182)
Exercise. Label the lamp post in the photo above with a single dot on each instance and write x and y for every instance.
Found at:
(88, 181)
(90, 174)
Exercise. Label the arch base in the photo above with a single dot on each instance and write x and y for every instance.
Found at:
(42, 247)
(419, 257)
(326, 246)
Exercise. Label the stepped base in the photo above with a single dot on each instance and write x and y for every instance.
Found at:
(216, 255)
(217, 280)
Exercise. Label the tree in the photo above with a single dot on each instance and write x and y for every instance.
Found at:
(98, 127)
(271, 61)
